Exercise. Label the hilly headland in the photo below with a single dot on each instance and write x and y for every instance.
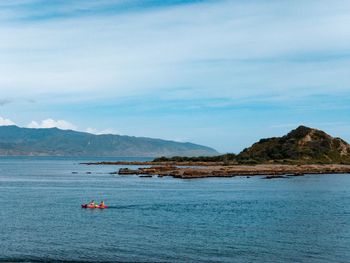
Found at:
(302, 151)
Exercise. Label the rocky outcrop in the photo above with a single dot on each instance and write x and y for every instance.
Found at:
(271, 171)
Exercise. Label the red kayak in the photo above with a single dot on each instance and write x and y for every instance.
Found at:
(94, 206)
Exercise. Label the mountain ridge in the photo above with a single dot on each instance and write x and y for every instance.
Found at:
(20, 141)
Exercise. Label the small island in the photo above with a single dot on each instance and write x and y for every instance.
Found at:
(302, 151)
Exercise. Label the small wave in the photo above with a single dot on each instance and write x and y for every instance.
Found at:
(123, 206)
(51, 260)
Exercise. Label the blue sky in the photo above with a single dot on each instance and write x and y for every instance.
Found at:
(218, 73)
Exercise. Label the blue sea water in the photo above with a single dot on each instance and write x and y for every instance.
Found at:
(300, 219)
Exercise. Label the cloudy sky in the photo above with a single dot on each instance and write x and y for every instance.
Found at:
(218, 73)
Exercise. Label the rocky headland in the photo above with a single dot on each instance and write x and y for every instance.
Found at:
(302, 151)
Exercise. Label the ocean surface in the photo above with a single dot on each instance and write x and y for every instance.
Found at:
(300, 219)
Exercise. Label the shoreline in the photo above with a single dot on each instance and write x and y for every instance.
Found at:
(193, 170)
(169, 163)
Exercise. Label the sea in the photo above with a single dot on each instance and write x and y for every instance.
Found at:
(239, 219)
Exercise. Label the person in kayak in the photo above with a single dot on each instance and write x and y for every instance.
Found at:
(102, 204)
(92, 203)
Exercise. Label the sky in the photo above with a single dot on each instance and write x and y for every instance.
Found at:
(219, 73)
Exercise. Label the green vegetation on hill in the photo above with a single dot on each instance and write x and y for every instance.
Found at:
(300, 146)
(55, 142)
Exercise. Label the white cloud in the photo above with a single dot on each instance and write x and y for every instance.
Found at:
(87, 66)
(6, 122)
(180, 139)
(238, 48)
(99, 132)
(60, 124)
(50, 123)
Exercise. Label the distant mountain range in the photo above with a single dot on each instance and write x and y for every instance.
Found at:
(55, 142)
